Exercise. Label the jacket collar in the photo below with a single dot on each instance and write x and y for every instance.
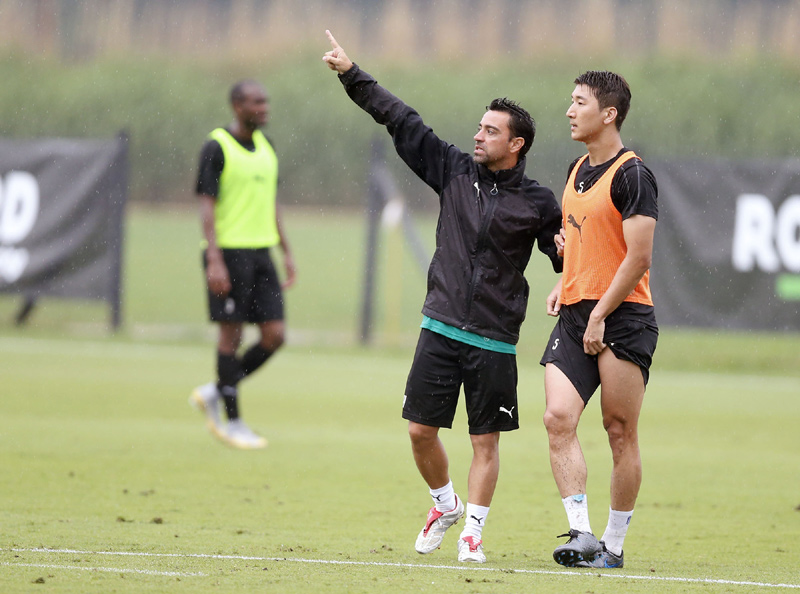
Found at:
(506, 177)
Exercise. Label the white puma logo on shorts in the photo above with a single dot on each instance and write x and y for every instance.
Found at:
(505, 410)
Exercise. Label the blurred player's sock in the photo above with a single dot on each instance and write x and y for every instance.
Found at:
(444, 498)
(230, 397)
(229, 370)
(254, 358)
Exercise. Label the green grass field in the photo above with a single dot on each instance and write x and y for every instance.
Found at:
(110, 482)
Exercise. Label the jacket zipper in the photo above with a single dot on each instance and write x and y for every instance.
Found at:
(478, 249)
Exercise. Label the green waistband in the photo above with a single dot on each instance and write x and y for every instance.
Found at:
(470, 338)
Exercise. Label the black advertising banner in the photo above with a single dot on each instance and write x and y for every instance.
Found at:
(61, 218)
(727, 247)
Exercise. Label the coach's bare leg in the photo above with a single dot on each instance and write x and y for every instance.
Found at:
(485, 468)
(622, 393)
(429, 454)
(561, 416)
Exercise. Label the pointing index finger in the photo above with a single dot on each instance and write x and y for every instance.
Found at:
(332, 39)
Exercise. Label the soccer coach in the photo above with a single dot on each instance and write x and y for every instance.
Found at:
(490, 216)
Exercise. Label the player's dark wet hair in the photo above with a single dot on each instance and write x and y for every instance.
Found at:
(611, 90)
(238, 91)
(520, 121)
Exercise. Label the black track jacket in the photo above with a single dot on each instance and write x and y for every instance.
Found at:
(488, 221)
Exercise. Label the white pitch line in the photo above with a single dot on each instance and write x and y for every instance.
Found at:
(108, 569)
(604, 574)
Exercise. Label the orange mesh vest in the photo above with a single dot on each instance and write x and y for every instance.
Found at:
(595, 246)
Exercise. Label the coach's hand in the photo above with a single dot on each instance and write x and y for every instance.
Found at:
(559, 240)
(336, 58)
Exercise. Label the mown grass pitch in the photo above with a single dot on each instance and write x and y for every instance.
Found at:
(107, 467)
(110, 482)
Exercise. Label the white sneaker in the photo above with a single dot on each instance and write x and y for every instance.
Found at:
(241, 436)
(431, 536)
(206, 399)
(470, 549)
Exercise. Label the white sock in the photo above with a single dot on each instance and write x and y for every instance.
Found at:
(577, 508)
(475, 520)
(444, 498)
(614, 536)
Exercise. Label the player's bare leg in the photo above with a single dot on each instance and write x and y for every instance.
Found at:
(562, 413)
(235, 432)
(207, 398)
(622, 393)
(230, 337)
(273, 335)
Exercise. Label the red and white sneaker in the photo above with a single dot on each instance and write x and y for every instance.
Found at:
(471, 549)
(431, 536)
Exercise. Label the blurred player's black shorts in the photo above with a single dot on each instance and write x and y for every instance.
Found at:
(255, 295)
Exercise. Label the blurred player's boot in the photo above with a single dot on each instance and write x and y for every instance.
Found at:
(471, 549)
(605, 560)
(206, 399)
(241, 436)
(431, 535)
(581, 547)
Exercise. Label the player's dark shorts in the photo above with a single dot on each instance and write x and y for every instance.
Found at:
(631, 333)
(441, 366)
(255, 294)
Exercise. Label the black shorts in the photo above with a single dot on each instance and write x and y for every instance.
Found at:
(255, 294)
(441, 366)
(631, 333)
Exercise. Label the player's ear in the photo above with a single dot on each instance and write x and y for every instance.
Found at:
(611, 115)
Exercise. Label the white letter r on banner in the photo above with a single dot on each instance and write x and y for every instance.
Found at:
(753, 243)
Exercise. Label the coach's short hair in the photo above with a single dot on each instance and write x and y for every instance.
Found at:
(520, 122)
(610, 90)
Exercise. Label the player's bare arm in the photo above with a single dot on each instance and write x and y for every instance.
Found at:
(336, 58)
(217, 276)
(638, 232)
(288, 260)
(553, 305)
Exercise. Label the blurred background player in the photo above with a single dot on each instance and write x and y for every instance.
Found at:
(606, 333)
(237, 189)
(490, 216)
